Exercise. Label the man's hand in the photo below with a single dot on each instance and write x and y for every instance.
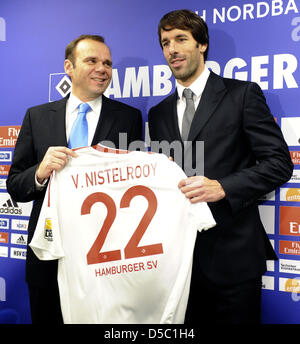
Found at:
(201, 189)
(54, 159)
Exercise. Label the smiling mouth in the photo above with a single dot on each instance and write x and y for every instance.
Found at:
(99, 80)
(177, 62)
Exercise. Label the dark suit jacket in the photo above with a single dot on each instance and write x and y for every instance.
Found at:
(44, 126)
(238, 131)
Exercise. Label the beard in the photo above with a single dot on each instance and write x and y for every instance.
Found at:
(190, 68)
(186, 73)
(183, 75)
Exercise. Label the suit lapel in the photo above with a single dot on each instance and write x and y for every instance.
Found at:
(105, 122)
(58, 121)
(171, 118)
(213, 93)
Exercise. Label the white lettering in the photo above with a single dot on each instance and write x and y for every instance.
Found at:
(213, 66)
(2, 289)
(231, 65)
(114, 87)
(277, 8)
(260, 7)
(238, 13)
(251, 11)
(248, 9)
(116, 334)
(162, 84)
(2, 29)
(257, 72)
(217, 14)
(277, 71)
(135, 83)
(294, 228)
(285, 66)
(296, 31)
(13, 132)
(203, 15)
(291, 6)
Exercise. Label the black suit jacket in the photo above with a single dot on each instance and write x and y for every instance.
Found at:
(238, 131)
(44, 126)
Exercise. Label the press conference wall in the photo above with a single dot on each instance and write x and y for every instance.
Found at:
(249, 40)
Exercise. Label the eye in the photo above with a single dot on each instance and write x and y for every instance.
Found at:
(108, 63)
(181, 39)
(91, 60)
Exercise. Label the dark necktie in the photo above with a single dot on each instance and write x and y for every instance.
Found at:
(189, 113)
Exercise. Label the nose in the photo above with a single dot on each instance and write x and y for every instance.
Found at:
(100, 67)
(172, 47)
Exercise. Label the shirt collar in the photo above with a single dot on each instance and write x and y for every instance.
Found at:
(95, 104)
(197, 86)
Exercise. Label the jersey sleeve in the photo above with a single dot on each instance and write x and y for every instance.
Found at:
(46, 241)
(202, 216)
(200, 212)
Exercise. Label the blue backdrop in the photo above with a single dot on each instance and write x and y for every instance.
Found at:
(250, 40)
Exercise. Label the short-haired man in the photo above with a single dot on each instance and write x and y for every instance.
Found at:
(42, 147)
(245, 157)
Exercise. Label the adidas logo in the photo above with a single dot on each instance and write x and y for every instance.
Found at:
(10, 207)
(21, 240)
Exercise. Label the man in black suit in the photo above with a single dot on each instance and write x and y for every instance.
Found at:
(42, 147)
(245, 157)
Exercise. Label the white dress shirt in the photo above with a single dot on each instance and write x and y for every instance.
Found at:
(197, 88)
(92, 117)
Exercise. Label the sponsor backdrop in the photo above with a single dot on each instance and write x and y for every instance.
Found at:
(250, 40)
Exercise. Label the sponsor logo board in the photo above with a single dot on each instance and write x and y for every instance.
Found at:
(290, 127)
(3, 251)
(17, 253)
(19, 224)
(9, 135)
(5, 156)
(290, 195)
(295, 156)
(290, 285)
(289, 221)
(18, 239)
(289, 266)
(4, 223)
(268, 282)
(10, 207)
(3, 238)
(4, 169)
(289, 247)
(267, 215)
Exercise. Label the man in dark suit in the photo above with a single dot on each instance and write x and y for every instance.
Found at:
(42, 147)
(245, 157)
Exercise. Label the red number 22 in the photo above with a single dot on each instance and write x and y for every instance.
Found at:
(132, 249)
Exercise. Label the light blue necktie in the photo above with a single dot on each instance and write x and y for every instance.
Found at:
(79, 131)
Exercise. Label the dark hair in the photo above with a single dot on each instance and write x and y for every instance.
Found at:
(69, 52)
(185, 20)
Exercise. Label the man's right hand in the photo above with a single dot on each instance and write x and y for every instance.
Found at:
(54, 159)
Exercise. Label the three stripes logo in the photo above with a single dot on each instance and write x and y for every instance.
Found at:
(10, 207)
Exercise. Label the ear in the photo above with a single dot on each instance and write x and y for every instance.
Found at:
(68, 65)
(203, 48)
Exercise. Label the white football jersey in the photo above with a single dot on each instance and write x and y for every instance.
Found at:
(124, 235)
